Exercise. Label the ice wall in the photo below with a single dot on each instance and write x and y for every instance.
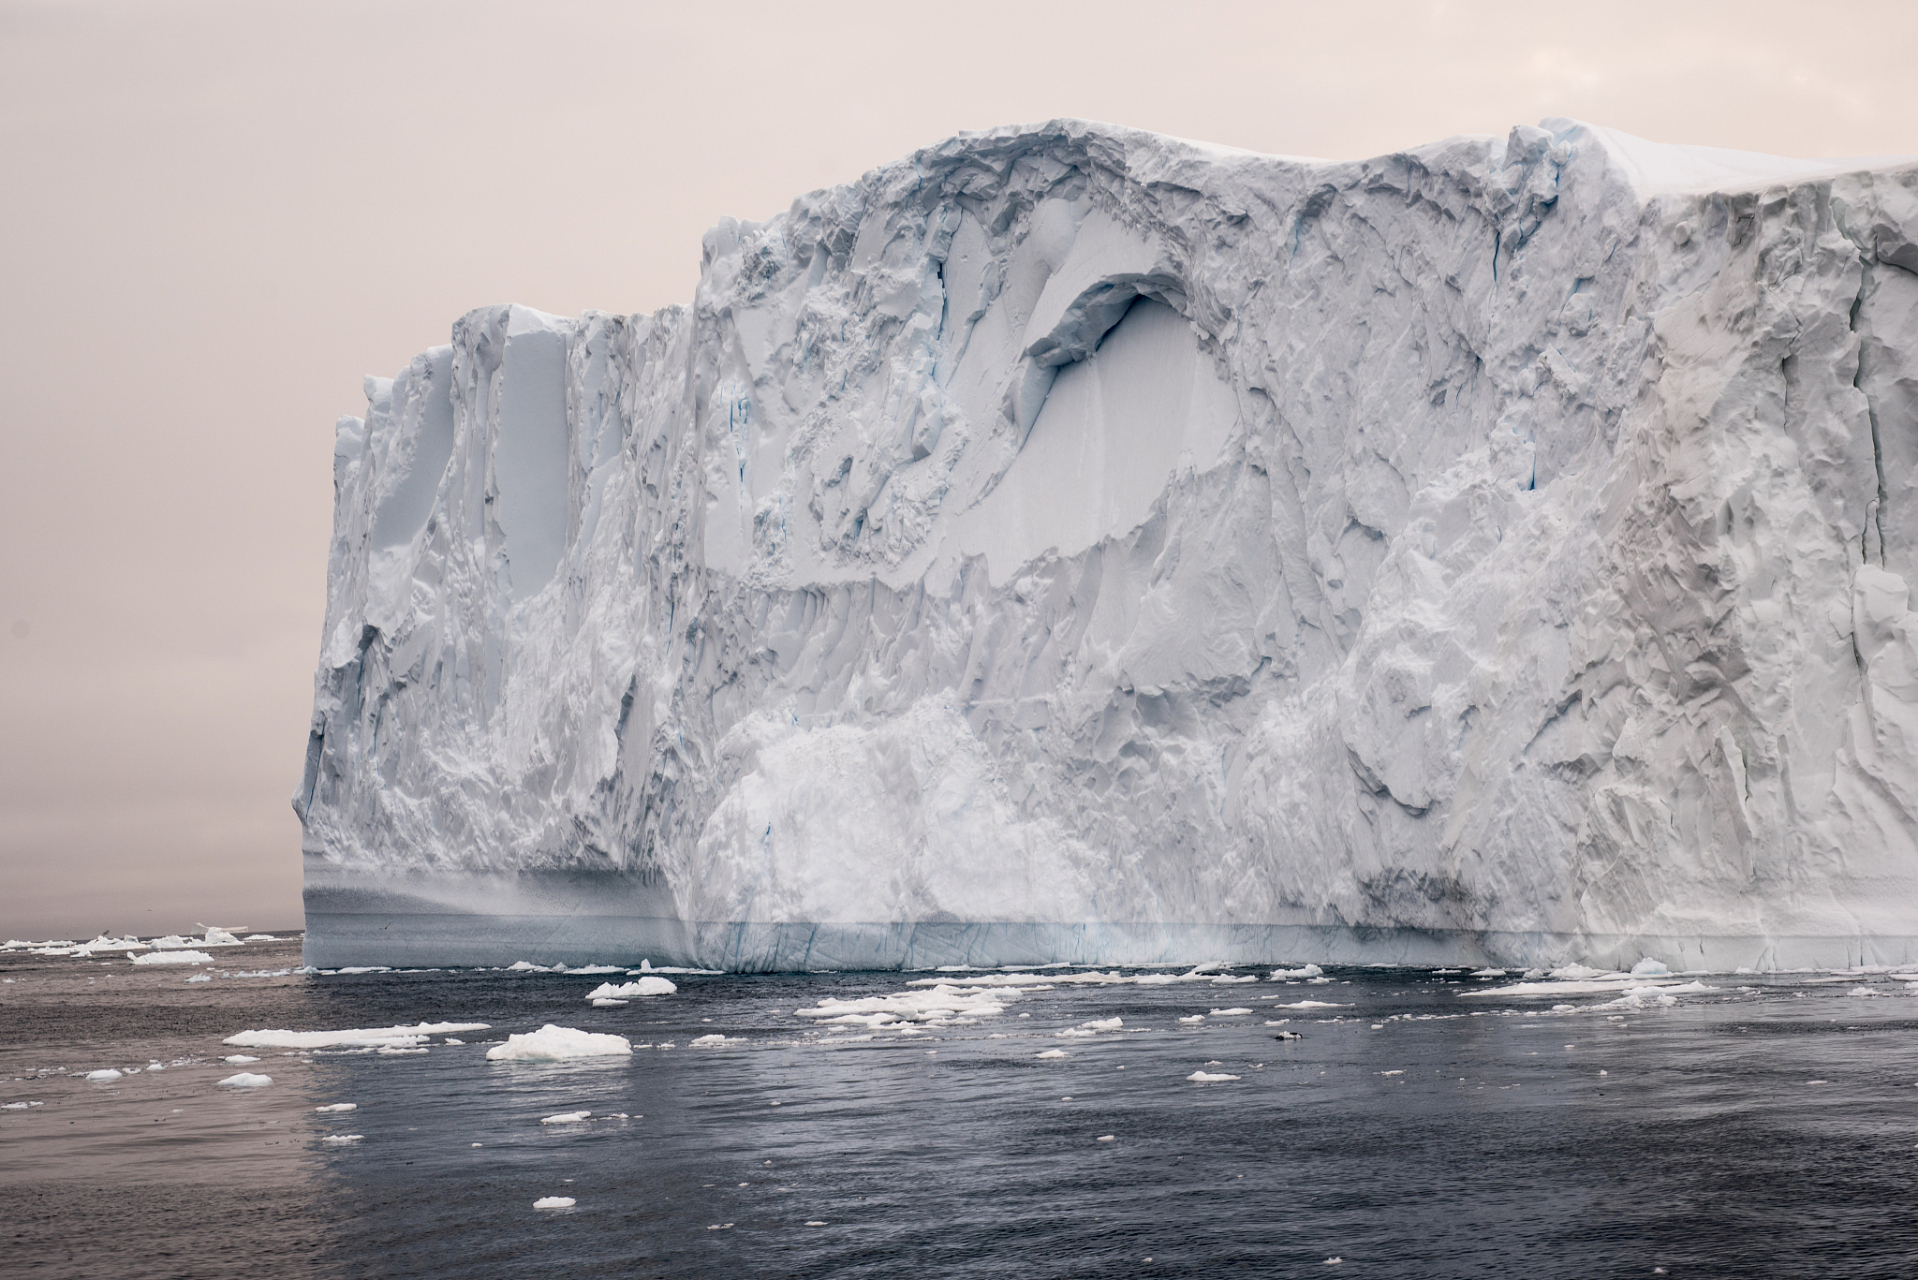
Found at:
(1074, 543)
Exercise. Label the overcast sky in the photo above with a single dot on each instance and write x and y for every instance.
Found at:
(216, 217)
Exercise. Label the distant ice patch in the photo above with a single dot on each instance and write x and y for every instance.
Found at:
(558, 1044)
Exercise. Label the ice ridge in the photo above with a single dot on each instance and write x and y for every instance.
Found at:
(1071, 543)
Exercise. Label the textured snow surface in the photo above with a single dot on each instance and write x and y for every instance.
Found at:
(1069, 543)
(558, 1044)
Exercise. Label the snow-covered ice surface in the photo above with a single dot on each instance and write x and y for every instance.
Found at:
(1070, 543)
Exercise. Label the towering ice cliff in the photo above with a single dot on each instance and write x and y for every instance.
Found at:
(1073, 543)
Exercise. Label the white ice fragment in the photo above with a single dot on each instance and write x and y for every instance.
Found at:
(1649, 968)
(1103, 1024)
(1052, 1053)
(604, 1003)
(647, 986)
(239, 1059)
(338, 1106)
(247, 1080)
(557, 1044)
(201, 977)
(567, 1117)
(173, 957)
(1228, 1013)
(1209, 1077)
(104, 1074)
(708, 1040)
(1297, 975)
(1312, 1004)
(343, 1138)
(1192, 1018)
(353, 1037)
(554, 1202)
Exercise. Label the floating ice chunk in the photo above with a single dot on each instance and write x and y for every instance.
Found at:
(17, 1106)
(261, 937)
(392, 1050)
(527, 966)
(1287, 1035)
(594, 970)
(557, 1044)
(1106, 1137)
(1488, 973)
(239, 1059)
(603, 1002)
(1284, 975)
(1401, 1072)
(814, 1222)
(1313, 1004)
(338, 1106)
(1028, 979)
(710, 1040)
(1191, 1018)
(247, 1080)
(201, 977)
(451, 1040)
(1229, 1013)
(1209, 1077)
(1865, 991)
(1649, 968)
(366, 968)
(1052, 1053)
(1103, 1024)
(941, 1004)
(567, 1117)
(1226, 979)
(647, 986)
(354, 1037)
(343, 1137)
(105, 1074)
(173, 957)
(554, 1202)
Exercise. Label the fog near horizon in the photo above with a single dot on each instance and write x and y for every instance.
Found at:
(219, 216)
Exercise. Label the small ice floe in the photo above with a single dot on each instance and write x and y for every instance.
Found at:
(1332, 1262)
(395, 1050)
(246, 1080)
(1313, 1004)
(451, 1040)
(1296, 975)
(173, 957)
(647, 986)
(605, 1003)
(646, 966)
(337, 1106)
(201, 977)
(1229, 1013)
(343, 1138)
(1106, 1137)
(1210, 1077)
(594, 970)
(1052, 1053)
(554, 1202)
(238, 1059)
(1865, 991)
(1193, 1018)
(261, 937)
(105, 1074)
(568, 1117)
(558, 1044)
(941, 1005)
(1288, 1035)
(351, 1038)
(17, 1106)
(715, 1040)
(1103, 1024)
(1391, 1073)
(1650, 968)
(1488, 973)
(814, 1222)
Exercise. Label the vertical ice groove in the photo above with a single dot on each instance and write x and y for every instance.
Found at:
(1072, 543)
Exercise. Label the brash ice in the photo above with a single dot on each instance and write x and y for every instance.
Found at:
(1069, 543)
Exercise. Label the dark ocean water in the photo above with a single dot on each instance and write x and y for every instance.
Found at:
(1766, 1127)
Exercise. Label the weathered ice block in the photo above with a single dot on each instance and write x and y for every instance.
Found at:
(1069, 543)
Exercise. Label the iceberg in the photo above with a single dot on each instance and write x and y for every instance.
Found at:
(1069, 543)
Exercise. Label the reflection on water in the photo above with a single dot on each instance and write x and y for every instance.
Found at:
(1413, 1131)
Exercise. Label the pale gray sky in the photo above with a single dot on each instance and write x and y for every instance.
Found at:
(216, 215)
